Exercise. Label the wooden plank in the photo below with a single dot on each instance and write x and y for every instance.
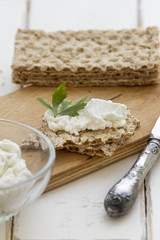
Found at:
(150, 11)
(12, 17)
(5, 230)
(153, 196)
(2, 231)
(76, 15)
(69, 166)
(75, 211)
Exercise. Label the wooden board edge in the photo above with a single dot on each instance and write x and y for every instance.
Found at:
(81, 171)
(120, 153)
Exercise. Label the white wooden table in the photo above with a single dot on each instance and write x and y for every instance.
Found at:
(75, 211)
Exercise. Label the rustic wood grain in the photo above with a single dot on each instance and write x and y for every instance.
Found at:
(143, 102)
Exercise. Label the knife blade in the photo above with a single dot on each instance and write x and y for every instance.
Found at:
(122, 195)
(155, 133)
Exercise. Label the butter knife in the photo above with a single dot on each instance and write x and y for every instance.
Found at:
(122, 195)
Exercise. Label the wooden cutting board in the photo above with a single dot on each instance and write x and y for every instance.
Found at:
(144, 103)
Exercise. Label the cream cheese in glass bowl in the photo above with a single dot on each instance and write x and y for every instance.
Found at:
(26, 160)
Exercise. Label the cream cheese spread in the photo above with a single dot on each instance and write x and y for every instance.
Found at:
(13, 168)
(97, 114)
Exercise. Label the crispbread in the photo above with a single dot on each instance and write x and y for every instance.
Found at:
(87, 58)
(100, 150)
(92, 142)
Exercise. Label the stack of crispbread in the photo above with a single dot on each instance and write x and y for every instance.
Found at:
(92, 142)
(87, 58)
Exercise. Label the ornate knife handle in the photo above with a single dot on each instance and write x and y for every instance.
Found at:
(122, 195)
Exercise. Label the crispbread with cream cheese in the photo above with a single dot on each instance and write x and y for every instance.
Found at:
(92, 142)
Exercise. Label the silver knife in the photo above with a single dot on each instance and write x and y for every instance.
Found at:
(122, 195)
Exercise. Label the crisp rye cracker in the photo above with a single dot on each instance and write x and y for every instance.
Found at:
(87, 58)
(92, 142)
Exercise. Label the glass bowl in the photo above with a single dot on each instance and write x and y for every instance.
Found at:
(39, 155)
